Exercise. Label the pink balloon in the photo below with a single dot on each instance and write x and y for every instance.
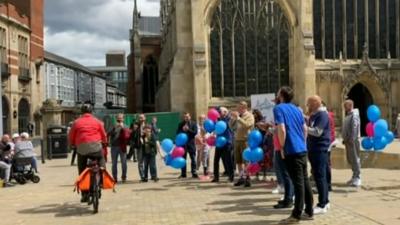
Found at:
(211, 140)
(178, 152)
(253, 168)
(370, 129)
(213, 114)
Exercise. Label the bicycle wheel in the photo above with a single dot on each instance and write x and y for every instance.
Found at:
(95, 199)
(96, 192)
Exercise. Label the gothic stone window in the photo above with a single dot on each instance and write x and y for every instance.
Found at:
(345, 26)
(249, 48)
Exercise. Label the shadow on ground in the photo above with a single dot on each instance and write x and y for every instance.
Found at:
(257, 222)
(149, 189)
(60, 210)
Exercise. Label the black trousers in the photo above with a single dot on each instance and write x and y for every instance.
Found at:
(73, 156)
(192, 155)
(297, 168)
(83, 160)
(224, 153)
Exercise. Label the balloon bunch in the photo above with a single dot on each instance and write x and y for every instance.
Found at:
(174, 155)
(254, 153)
(212, 125)
(377, 131)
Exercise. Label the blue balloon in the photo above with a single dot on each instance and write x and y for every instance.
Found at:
(178, 163)
(256, 155)
(373, 113)
(209, 125)
(246, 154)
(181, 139)
(167, 145)
(367, 143)
(220, 127)
(380, 128)
(389, 137)
(379, 143)
(254, 139)
(220, 142)
(168, 160)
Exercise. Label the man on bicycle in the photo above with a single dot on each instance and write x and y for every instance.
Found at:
(88, 135)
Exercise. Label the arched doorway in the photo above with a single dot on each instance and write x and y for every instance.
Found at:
(6, 115)
(249, 48)
(149, 84)
(362, 99)
(23, 115)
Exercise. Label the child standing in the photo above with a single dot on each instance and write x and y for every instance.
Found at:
(203, 151)
(150, 149)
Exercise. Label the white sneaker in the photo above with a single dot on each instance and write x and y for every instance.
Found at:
(318, 210)
(328, 206)
(278, 190)
(356, 182)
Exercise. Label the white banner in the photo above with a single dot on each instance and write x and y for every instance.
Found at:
(264, 103)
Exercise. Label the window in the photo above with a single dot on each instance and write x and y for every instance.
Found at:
(3, 45)
(249, 48)
(367, 22)
(23, 59)
(23, 52)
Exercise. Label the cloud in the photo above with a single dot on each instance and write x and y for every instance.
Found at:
(84, 30)
(83, 47)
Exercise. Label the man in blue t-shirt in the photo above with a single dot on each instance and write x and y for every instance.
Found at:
(318, 142)
(292, 132)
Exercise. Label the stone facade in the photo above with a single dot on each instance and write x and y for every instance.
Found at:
(22, 59)
(145, 38)
(185, 65)
(185, 61)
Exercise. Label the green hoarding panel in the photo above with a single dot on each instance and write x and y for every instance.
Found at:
(167, 122)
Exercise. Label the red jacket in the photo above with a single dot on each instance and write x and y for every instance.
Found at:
(87, 129)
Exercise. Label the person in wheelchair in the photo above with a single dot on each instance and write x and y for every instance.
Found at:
(24, 149)
(5, 160)
(87, 134)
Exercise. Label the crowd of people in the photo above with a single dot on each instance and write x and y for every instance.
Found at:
(292, 141)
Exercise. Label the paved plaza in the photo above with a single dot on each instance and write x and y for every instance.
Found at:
(184, 202)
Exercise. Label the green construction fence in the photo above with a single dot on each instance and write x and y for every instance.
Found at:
(166, 121)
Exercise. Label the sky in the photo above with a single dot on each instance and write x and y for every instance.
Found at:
(84, 30)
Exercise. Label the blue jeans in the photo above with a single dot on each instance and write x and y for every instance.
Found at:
(287, 182)
(34, 164)
(115, 152)
(319, 165)
(149, 162)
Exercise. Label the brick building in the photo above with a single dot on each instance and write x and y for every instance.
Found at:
(21, 58)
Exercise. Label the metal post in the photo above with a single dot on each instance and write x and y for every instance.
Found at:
(1, 107)
(42, 150)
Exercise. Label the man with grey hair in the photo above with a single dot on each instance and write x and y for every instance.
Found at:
(350, 133)
(225, 152)
(243, 121)
(24, 149)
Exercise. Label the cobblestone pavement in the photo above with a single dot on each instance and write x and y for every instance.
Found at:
(170, 201)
